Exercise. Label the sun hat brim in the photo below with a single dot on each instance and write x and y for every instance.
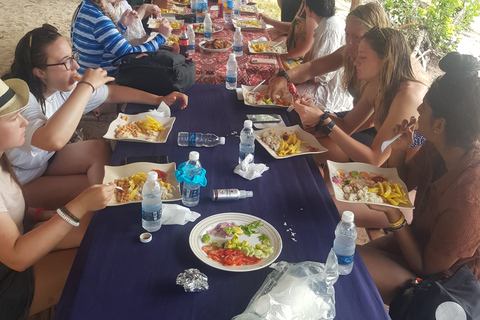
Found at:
(19, 100)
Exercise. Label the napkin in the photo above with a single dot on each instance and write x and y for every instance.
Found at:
(250, 170)
(261, 39)
(162, 111)
(176, 214)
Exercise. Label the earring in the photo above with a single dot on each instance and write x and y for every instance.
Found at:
(434, 131)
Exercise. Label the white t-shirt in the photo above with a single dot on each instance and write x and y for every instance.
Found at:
(11, 199)
(326, 89)
(30, 162)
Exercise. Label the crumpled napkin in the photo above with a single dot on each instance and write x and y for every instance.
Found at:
(249, 170)
(177, 214)
(261, 39)
(162, 111)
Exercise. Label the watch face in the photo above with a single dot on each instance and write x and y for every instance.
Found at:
(328, 128)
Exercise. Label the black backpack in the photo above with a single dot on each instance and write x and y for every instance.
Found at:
(159, 72)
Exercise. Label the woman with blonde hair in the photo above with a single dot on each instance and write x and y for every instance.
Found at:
(34, 265)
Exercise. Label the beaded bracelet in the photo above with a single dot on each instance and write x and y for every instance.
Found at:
(67, 219)
(404, 223)
(91, 85)
(68, 213)
(398, 223)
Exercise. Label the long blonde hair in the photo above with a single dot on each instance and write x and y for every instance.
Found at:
(392, 48)
(368, 15)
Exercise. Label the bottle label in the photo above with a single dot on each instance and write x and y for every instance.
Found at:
(191, 47)
(207, 34)
(344, 260)
(238, 48)
(152, 215)
(182, 42)
(228, 5)
(201, 8)
(191, 139)
(236, 12)
(232, 79)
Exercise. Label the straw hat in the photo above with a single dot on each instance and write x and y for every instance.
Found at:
(14, 95)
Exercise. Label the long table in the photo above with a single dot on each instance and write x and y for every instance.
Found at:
(114, 276)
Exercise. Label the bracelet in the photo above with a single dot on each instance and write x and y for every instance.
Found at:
(403, 224)
(398, 223)
(35, 215)
(284, 74)
(68, 213)
(328, 128)
(323, 117)
(159, 100)
(67, 219)
(91, 85)
(121, 27)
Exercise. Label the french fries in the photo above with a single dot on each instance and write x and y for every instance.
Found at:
(150, 124)
(391, 192)
(289, 146)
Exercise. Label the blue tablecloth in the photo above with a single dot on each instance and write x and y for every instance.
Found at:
(117, 277)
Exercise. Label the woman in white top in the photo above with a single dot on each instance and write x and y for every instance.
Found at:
(34, 265)
(52, 171)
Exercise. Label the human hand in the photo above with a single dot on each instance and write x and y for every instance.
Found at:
(155, 10)
(406, 128)
(96, 77)
(96, 197)
(264, 17)
(164, 4)
(309, 113)
(393, 214)
(174, 97)
(277, 85)
(164, 28)
(128, 17)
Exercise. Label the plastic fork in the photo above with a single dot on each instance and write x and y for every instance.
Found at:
(386, 143)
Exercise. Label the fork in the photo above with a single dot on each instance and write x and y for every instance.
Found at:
(386, 143)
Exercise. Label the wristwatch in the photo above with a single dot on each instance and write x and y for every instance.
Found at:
(319, 125)
(285, 75)
(328, 128)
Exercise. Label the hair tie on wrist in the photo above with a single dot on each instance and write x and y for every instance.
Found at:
(159, 100)
(91, 85)
(35, 215)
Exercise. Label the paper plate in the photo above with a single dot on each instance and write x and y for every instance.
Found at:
(246, 24)
(389, 173)
(119, 172)
(202, 43)
(167, 123)
(262, 89)
(215, 28)
(209, 223)
(279, 49)
(311, 145)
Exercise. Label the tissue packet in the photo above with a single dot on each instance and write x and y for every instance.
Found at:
(300, 291)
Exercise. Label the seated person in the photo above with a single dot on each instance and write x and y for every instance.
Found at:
(34, 265)
(52, 171)
(326, 89)
(288, 10)
(445, 232)
(129, 21)
(99, 42)
(300, 34)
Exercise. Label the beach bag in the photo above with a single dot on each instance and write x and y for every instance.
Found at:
(160, 72)
(456, 298)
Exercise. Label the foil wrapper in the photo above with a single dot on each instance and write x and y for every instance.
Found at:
(193, 280)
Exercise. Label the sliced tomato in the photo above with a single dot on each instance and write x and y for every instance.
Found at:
(229, 257)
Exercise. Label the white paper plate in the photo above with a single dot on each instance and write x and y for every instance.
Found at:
(173, 11)
(209, 223)
(389, 173)
(201, 45)
(167, 123)
(180, 4)
(119, 172)
(305, 148)
(215, 27)
(243, 24)
(282, 46)
(155, 23)
(262, 89)
(247, 9)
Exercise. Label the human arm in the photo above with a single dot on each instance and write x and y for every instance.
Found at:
(56, 132)
(280, 25)
(306, 71)
(148, 9)
(303, 42)
(120, 94)
(20, 252)
(164, 4)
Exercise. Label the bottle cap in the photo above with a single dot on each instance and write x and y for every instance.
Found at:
(152, 176)
(145, 237)
(222, 140)
(238, 29)
(347, 216)
(190, 27)
(193, 156)
(246, 194)
(207, 15)
(183, 28)
(248, 124)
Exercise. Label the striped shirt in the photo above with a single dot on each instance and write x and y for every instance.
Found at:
(99, 42)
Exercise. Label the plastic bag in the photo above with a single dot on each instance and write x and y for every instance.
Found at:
(296, 291)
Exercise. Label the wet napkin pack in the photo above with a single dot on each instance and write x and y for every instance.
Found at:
(176, 214)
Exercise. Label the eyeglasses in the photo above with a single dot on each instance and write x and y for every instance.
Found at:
(68, 63)
(44, 32)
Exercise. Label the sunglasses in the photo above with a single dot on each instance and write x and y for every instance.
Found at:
(68, 63)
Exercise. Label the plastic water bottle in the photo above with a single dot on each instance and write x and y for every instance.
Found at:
(207, 27)
(190, 40)
(236, 10)
(152, 203)
(247, 141)
(196, 139)
(183, 42)
(231, 83)
(193, 6)
(227, 11)
(191, 192)
(238, 42)
(202, 7)
(344, 243)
